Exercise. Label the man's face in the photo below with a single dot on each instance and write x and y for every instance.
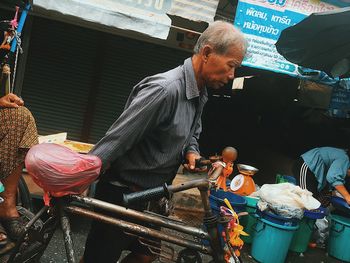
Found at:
(219, 69)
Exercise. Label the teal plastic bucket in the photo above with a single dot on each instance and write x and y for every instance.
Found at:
(271, 241)
(250, 220)
(338, 244)
(302, 236)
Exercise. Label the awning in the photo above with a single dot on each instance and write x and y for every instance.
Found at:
(197, 10)
(145, 16)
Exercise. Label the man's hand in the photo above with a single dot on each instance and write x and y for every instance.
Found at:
(11, 101)
(191, 158)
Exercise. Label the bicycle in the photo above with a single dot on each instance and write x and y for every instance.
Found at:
(24, 198)
(32, 243)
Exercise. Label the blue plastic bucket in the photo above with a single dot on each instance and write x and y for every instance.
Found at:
(319, 213)
(271, 241)
(338, 244)
(277, 219)
(341, 205)
(216, 199)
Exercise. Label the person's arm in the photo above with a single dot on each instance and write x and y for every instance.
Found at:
(336, 176)
(145, 112)
(342, 190)
(192, 150)
(11, 101)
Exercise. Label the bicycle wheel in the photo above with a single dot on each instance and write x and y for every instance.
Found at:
(23, 195)
(31, 248)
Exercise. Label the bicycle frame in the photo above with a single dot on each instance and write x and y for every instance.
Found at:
(64, 205)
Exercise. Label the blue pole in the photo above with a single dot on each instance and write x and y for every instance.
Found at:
(20, 27)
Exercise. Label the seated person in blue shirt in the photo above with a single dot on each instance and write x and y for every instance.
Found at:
(157, 131)
(321, 170)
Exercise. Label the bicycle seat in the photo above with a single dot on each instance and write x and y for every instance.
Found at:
(60, 171)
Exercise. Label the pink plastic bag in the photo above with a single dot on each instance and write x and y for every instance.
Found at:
(60, 171)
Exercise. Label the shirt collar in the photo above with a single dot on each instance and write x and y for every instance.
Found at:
(192, 90)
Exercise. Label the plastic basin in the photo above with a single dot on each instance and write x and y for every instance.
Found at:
(318, 213)
(340, 204)
(217, 197)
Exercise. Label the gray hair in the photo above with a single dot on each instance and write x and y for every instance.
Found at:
(221, 36)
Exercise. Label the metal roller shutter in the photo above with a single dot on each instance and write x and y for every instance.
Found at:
(58, 75)
(127, 62)
(77, 80)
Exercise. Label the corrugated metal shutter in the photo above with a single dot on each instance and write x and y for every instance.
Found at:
(127, 62)
(58, 75)
(60, 69)
(6, 14)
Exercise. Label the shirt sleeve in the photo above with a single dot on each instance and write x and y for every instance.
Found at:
(145, 111)
(337, 172)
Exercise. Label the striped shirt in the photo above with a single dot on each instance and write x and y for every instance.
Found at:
(161, 122)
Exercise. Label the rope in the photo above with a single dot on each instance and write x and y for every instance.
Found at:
(15, 69)
(16, 47)
(19, 41)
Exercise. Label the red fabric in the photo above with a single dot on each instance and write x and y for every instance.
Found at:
(60, 171)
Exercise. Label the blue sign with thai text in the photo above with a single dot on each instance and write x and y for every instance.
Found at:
(262, 21)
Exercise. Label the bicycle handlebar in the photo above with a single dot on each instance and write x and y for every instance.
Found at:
(147, 195)
(167, 190)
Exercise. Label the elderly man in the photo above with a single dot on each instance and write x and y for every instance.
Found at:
(158, 129)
